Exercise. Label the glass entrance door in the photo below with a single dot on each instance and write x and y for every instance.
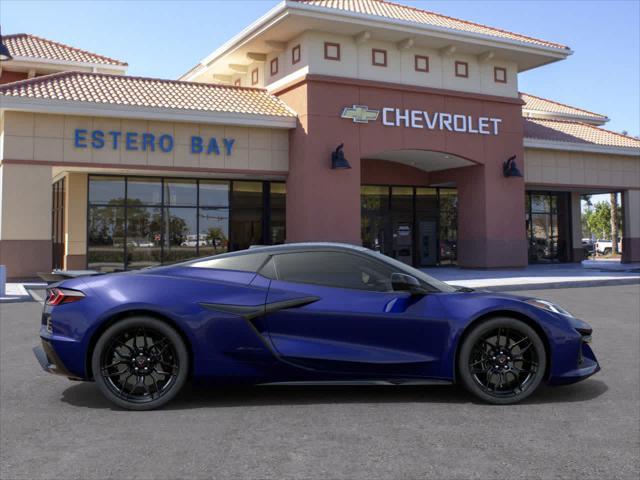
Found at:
(548, 229)
(416, 225)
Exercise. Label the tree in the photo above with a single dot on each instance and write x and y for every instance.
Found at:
(614, 222)
(598, 220)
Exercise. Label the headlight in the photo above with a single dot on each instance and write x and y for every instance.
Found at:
(551, 307)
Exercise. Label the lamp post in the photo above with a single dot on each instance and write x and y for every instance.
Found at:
(4, 51)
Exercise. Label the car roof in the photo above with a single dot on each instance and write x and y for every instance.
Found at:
(301, 246)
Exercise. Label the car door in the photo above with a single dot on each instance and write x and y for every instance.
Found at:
(350, 321)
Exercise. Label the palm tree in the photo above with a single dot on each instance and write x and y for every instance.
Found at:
(614, 223)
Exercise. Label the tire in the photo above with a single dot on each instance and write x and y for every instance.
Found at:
(502, 361)
(150, 351)
(607, 251)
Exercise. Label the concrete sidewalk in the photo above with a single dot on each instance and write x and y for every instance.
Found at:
(533, 277)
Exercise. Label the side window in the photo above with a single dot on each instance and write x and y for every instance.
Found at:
(246, 262)
(333, 269)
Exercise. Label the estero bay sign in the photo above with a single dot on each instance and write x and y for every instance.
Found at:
(403, 117)
(136, 141)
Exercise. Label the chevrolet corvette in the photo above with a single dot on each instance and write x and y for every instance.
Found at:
(303, 313)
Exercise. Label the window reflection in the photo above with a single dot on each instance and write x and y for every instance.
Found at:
(136, 222)
(105, 241)
(214, 231)
(144, 191)
(180, 234)
(144, 235)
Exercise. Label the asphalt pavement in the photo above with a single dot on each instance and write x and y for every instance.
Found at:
(53, 428)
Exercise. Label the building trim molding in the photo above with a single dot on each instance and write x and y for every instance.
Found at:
(580, 147)
(160, 168)
(92, 109)
(356, 82)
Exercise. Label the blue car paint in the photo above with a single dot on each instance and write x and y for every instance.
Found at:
(346, 334)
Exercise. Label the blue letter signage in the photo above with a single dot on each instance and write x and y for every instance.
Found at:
(134, 141)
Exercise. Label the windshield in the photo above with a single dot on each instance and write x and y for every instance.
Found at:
(404, 268)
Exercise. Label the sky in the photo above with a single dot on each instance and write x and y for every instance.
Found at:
(166, 38)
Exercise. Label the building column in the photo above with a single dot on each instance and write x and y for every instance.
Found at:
(25, 219)
(577, 252)
(75, 221)
(491, 219)
(631, 239)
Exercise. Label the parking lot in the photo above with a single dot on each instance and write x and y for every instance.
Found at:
(54, 428)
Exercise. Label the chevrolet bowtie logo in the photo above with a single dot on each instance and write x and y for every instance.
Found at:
(360, 114)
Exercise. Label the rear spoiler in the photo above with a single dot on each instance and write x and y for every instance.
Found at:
(59, 275)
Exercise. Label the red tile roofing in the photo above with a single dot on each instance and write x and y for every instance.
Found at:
(147, 92)
(575, 132)
(395, 11)
(31, 46)
(544, 105)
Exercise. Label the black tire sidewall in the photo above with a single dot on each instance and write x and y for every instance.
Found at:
(466, 379)
(151, 323)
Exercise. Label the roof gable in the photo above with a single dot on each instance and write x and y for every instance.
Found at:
(534, 104)
(106, 90)
(32, 46)
(396, 11)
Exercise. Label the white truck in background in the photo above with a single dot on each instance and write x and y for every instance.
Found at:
(605, 247)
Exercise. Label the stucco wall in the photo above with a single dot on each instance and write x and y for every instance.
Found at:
(554, 167)
(356, 62)
(50, 138)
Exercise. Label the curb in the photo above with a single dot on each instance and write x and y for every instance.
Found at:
(551, 285)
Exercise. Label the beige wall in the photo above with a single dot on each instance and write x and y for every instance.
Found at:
(25, 202)
(50, 138)
(75, 214)
(577, 169)
(632, 213)
(355, 62)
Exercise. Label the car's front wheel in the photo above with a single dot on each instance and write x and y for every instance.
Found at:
(140, 363)
(502, 361)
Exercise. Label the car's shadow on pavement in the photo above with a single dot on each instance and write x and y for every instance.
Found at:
(87, 395)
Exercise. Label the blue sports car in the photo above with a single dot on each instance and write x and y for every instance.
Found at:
(303, 313)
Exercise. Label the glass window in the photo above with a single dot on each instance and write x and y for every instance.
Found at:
(172, 219)
(214, 231)
(214, 193)
(144, 191)
(375, 198)
(246, 215)
(277, 215)
(180, 235)
(106, 190)
(105, 245)
(180, 193)
(247, 194)
(334, 269)
(245, 262)
(448, 233)
(144, 237)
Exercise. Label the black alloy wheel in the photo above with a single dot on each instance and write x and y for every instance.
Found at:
(502, 361)
(140, 363)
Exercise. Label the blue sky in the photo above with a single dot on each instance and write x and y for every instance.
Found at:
(166, 38)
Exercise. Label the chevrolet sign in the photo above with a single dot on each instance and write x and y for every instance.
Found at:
(397, 117)
(360, 114)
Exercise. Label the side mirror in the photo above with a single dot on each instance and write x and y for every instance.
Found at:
(401, 282)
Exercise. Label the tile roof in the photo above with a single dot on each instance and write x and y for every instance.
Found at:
(103, 88)
(31, 46)
(545, 105)
(395, 11)
(575, 132)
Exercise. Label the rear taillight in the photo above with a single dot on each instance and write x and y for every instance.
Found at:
(58, 296)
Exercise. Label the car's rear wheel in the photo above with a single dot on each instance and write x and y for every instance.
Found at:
(140, 363)
(502, 361)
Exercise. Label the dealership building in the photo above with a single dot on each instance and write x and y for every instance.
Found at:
(365, 122)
